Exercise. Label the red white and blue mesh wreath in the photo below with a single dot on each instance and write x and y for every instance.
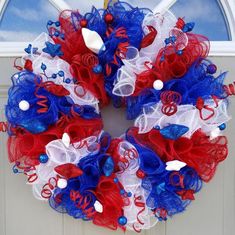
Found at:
(153, 65)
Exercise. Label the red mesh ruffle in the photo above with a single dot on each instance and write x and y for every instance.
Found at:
(108, 194)
(80, 58)
(27, 145)
(173, 65)
(198, 152)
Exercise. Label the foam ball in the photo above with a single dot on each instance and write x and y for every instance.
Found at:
(62, 183)
(24, 105)
(158, 85)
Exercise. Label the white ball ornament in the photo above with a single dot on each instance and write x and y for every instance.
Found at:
(62, 183)
(158, 85)
(24, 105)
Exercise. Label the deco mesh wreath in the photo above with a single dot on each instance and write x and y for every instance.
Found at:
(154, 66)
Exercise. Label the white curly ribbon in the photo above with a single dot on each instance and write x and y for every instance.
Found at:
(187, 115)
(132, 184)
(135, 60)
(78, 94)
(58, 155)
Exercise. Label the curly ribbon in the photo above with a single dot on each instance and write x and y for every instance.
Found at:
(200, 105)
(180, 177)
(28, 170)
(89, 60)
(28, 65)
(122, 47)
(138, 202)
(42, 102)
(127, 152)
(170, 100)
(82, 202)
(18, 67)
(47, 189)
(229, 89)
(3, 126)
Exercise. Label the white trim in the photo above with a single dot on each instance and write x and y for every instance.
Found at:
(16, 49)
(12, 49)
(3, 5)
(163, 6)
(229, 12)
(60, 5)
(220, 48)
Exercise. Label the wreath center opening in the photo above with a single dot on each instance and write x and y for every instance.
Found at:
(114, 120)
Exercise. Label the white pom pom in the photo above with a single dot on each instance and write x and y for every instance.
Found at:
(158, 85)
(24, 105)
(98, 206)
(175, 165)
(66, 139)
(62, 183)
(92, 40)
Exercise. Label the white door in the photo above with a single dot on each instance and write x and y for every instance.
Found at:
(213, 211)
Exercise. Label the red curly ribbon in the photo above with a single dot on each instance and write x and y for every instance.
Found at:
(170, 100)
(180, 179)
(18, 67)
(200, 105)
(82, 202)
(51, 87)
(229, 89)
(3, 126)
(122, 47)
(42, 102)
(28, 65)
(49, 187)
(89, 60)
(129, 154)
(138, 202)
(28, 170)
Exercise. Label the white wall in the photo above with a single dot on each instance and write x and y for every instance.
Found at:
(212, 213)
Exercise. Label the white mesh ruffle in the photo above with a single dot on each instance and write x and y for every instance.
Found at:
(135, 61)
(58, 155)
(78, 94)
(187, 115)
(132, 184)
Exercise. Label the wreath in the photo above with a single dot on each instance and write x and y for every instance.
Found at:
(151, 64)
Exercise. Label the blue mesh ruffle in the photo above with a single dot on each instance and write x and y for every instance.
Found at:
(164, 186)
(194, 84)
